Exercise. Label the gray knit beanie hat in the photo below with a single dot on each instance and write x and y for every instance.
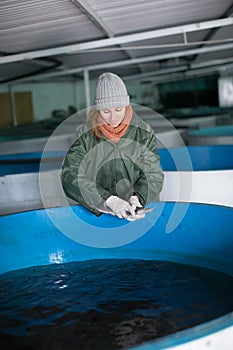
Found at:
(110, 92)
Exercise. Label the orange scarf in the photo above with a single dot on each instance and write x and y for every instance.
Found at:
(115, 134)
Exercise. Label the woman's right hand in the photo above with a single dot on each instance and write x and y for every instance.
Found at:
(121, 208)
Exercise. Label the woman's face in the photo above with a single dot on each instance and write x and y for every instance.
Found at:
(113, 116)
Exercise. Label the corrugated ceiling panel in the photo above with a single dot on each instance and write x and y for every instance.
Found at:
(33, 24)
(28, 25)
(30, 12)
(124, 16)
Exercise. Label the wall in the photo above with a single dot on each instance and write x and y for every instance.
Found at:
(50, 96)
(47, 97)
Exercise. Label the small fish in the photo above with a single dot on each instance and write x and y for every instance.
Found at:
(145, 210)
(140, 213)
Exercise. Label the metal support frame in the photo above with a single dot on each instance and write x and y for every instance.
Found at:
(87, 87)
(75, 48)
(121, 63)
(97, 20)
(93, 16)
(15, 122)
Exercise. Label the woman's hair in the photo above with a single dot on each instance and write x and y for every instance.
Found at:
(93, 122)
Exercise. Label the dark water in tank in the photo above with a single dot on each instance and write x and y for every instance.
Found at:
(107, 304)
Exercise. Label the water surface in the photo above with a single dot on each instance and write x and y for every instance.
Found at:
(107, 304)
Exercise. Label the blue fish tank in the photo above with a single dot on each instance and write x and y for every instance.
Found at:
(83, 282)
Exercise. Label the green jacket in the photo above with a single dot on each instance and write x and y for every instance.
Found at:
(95, 169)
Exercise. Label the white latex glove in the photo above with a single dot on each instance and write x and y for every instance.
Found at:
(139, 214)
(134, 202)
(122, 209)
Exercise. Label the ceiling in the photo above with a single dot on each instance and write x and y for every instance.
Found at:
(158, 40)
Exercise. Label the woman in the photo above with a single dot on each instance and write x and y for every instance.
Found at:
(113, 166)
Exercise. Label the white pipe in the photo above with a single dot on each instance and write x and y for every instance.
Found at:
(134, 61)
(211, 63)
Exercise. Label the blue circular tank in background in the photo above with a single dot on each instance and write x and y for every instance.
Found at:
(21, 163)
(191, 158)
(203, 238)
(217, 135)
(225, 130)
(217, 157)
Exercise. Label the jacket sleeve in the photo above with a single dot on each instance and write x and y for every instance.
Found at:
(77, 181)
(149, 184)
